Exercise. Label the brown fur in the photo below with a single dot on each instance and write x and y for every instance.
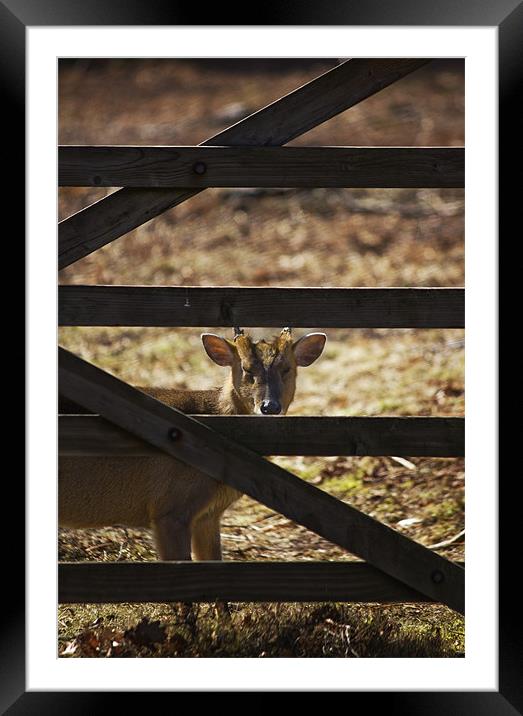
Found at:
(182, 505)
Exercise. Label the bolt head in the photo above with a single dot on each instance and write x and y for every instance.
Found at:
(174, 433)
(437, 576)
(199, 168)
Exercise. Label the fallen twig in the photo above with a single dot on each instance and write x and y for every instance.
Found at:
(99, 546)
(447, 542)
(402, 461)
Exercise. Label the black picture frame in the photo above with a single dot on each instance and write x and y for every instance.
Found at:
(507, 16)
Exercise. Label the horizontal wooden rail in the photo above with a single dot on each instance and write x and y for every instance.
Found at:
(226, 460)
(277, 123)
(414, 437)
(106, 582)
(261, 307)
(198, 167)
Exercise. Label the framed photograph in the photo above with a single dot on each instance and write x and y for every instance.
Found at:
(115, 112)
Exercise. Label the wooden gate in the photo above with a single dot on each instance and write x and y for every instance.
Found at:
(126, 421)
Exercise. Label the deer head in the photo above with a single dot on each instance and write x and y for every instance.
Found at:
(263, 372)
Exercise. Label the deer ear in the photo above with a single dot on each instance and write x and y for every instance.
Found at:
(308, 348)
(218, 349)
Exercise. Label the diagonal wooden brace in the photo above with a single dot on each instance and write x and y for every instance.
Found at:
(274, 125)
(192, 442)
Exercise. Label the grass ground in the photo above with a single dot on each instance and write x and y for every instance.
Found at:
(289, 238)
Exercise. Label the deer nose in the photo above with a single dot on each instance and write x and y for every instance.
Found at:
(270, 407)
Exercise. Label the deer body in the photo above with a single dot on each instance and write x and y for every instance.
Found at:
(181, 504)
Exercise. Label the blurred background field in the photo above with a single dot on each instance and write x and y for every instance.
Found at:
(319, 237)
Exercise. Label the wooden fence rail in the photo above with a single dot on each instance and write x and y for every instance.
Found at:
(106, 582)
(198, 167)
(414, 437)
(261, 307)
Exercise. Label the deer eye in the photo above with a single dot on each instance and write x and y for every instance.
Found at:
(286, 370)
(249, 373)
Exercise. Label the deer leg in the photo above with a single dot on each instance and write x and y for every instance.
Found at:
(172, 538)
(206, 542)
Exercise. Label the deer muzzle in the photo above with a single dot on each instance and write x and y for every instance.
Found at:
(270, 407)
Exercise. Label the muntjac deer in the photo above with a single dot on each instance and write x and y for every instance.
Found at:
(182, 505)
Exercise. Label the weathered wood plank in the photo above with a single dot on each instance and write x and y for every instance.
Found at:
(106, 582)
(278, 123)
(198, 167)
(303, 435)
(261, 307)
(194, 443)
